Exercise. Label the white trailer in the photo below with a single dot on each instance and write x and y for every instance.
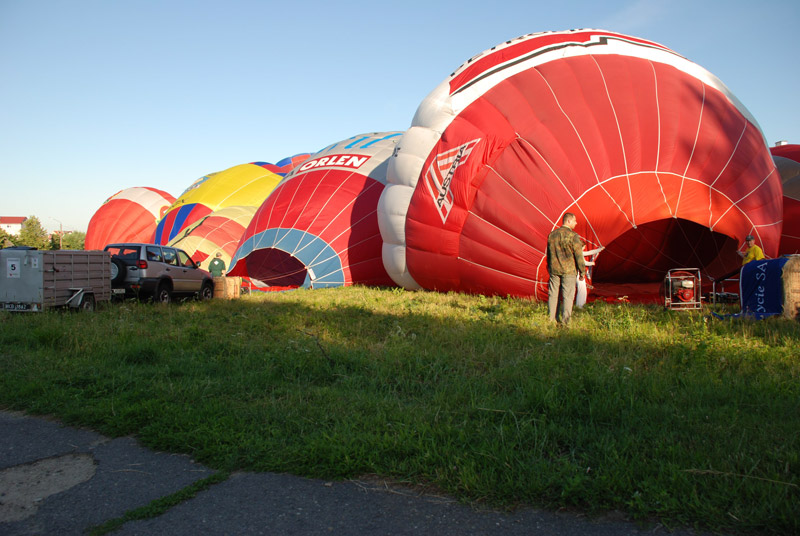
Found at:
(34, 280)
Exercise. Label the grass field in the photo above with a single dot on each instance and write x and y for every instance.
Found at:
(660, 414)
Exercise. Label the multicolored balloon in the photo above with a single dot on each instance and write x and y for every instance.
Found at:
(787, 160)
(129, 215)
(663, 166)
(319, 228)
(219, 232)
(282, 167)
(242, 185)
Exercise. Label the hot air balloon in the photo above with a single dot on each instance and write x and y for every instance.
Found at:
(662, 165)
(219, 232)
(130, 215)
(787, 160)
(242, 185)
(282, 167)
(319, 226)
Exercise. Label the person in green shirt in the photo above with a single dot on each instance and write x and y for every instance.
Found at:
(217, 266)
(566, 264)
(753, 252)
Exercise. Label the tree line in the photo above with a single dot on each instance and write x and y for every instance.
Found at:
(33, 234)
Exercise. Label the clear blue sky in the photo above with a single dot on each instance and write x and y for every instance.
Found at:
(97, 96)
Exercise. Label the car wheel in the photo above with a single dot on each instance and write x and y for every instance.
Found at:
(162, 294)
(118, 271)
(206, 291)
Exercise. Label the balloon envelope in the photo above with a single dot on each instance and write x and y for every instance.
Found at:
(242, 185)
(282, 167)
(130, 215)
(319, 227)
(663, 167)
(219, 232)
(787, 160)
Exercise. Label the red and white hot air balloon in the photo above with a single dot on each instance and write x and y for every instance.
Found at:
(319, 227)
(787, 160)
(130, 215)
(663, 166)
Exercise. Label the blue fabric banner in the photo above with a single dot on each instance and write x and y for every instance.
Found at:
(761, 287)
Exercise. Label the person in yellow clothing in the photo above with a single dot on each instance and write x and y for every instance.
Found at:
(753, 252)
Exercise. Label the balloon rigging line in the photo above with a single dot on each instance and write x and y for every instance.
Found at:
(694, 146)
(691, 179)
(275, 198)
(621, 139)
(334, 239)
(497, 270)
(517, 238)
(523, 140)
(523, 197)
(299, 213)
(302, 212)
(357, 244)
(320, 181)
(243, 186)
(314, 261)
(567, 117)
(736, 147)
(732, 205)
(350, 228)
(658, 141)
(736, 204)
(585, 150)
(351, 202)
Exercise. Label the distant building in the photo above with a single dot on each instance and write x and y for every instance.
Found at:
(12, 224)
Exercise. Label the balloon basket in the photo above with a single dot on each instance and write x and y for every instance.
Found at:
(227, 288)
(791, 287)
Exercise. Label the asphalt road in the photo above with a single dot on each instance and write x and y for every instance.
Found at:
(61, 480)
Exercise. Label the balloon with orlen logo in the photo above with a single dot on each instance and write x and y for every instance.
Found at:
(787, 160)
(319, 226)
(242, 185)
(130, 215)
(662, 165)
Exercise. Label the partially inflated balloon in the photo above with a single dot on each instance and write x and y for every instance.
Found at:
(219, 232)
(663, 167)
(787, 160)
(319, 227)
(283, 167)
(242, 185)
(127, 216)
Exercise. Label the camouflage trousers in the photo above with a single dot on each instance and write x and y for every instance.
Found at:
(562, 286)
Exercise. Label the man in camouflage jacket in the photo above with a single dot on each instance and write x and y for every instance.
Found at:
(565, 264)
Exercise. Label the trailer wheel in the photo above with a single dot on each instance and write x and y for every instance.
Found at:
(118, 270)
(87, 303)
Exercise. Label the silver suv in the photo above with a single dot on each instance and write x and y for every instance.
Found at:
(158, 272)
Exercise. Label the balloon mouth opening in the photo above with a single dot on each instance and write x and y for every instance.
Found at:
(276, 268)
(646, 253)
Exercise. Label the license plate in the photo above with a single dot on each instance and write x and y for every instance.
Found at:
(118, 291)
(16, 306)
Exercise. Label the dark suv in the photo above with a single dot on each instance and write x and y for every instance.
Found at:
(157, 272)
